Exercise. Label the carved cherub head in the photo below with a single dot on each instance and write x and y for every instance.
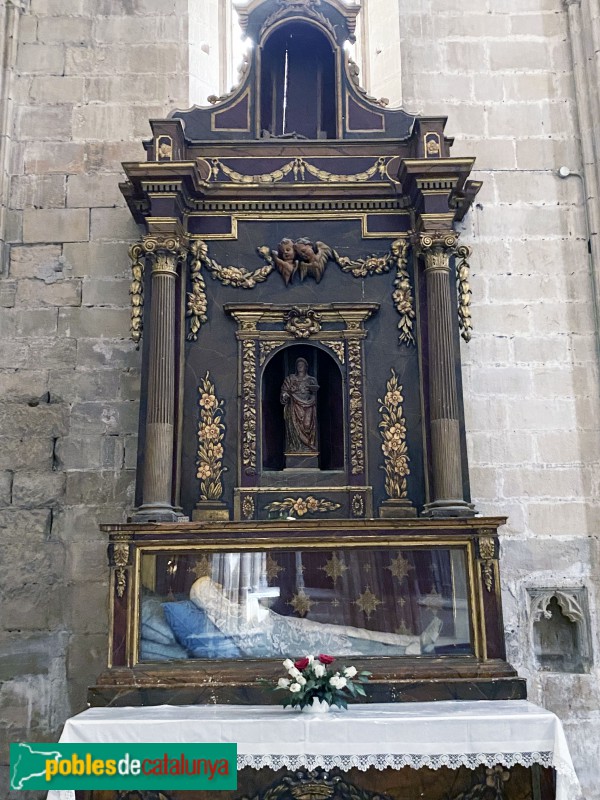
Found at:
(305, 249)
(285, 250)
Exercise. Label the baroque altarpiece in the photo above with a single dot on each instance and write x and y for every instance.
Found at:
(299, 293)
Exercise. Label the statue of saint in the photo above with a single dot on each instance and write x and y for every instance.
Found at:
(299, 399)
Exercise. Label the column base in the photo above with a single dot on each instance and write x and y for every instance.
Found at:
(397, 509)
(449, 508)
(210, 510)
(158, 512)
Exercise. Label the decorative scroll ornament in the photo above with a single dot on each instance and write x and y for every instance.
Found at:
(302, 322)
(211, 432)
(402, 295)
(357, 433)
(354, 74)
(393, 433)
(243, 68)
(487, 551)
(464, 292)
(303, 7)
(249, 407)
(121, 559)
(298, 167)
(303, 505)
(136, 291)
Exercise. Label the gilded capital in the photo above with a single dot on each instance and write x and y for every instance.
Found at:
(166, 251)
(437, 249)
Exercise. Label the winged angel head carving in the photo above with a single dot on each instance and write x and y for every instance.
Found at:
(302, 257)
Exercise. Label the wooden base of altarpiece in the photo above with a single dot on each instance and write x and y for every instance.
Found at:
(496, 783)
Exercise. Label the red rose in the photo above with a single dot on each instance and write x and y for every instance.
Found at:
(326, 659)
(302, 663)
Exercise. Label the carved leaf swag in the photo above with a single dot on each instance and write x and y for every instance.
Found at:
(299, 167)
(392, 428)
(211, 432)
(242, 278)
(303, 505)
(464, 292)
(121, 560)
(136, 291)
(238, 277)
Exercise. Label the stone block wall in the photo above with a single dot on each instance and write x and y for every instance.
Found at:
(88, 74)
(503, 73)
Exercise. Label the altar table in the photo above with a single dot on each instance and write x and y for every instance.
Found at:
(434, 735)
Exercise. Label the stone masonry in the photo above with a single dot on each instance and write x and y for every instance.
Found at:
(80, 81)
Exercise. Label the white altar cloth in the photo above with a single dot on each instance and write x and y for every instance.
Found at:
(379, 735)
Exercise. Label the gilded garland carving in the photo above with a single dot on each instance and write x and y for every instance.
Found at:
(249, 406)
(211, 432)
(357, 434)
(464, 292)
(338, 349)
(303, 505)
(298, 167)
(487, 551)
(136, 291)
(121, 560)
(306, 259)
(402, 295)
(392, 428)
(196, 299)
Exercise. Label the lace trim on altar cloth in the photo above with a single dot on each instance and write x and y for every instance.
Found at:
(398, 761)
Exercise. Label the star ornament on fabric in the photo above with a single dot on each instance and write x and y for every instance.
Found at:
(399, 567)
(334, 568)
(367, 602)
(273, 568)
(301, 604)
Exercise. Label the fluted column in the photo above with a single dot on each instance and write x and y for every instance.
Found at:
(448, 498)
(164, 254)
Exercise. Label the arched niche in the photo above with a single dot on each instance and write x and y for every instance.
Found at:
(330, 406)
(298, 83)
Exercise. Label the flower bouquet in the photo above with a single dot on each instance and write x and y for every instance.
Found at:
(314, 682)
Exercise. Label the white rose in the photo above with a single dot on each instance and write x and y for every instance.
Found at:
(310, 659)
(288, 663)
(341, 683)
(283, 683)
(333, 681)
(295, 687)
(319, 670)
(301, 680)
(350, 672)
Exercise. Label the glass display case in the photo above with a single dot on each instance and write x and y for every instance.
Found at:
(218, 605)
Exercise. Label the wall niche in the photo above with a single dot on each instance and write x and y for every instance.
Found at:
(560, 630)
